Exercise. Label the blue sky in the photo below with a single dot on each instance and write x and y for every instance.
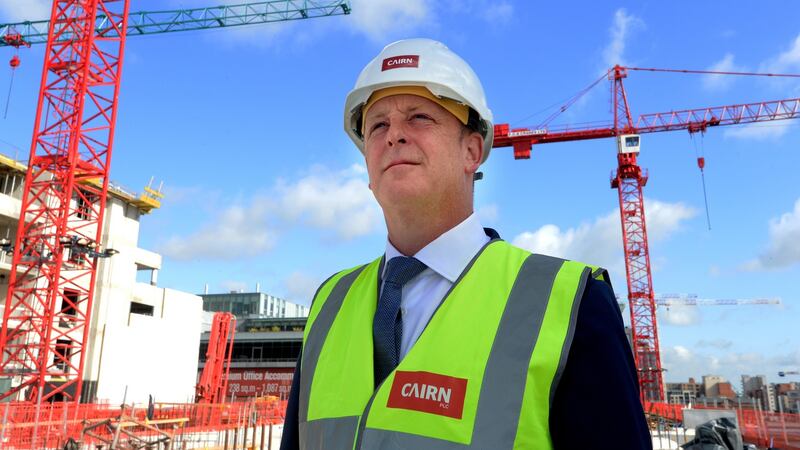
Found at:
(262, 184)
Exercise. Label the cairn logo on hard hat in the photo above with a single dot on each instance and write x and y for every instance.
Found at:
(396, 62)
(427, 64)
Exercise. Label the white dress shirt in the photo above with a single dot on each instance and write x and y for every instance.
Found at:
(446, 257)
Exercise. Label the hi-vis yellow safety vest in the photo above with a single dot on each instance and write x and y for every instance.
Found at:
(481, 375)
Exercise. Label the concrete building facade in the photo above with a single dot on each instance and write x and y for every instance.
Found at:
(684, 393)
(711, 385)
(787, 397)
(132, 321)
(757, 388)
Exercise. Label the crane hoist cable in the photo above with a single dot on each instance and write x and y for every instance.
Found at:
(13, 39)
(14, 63)
(701, 164)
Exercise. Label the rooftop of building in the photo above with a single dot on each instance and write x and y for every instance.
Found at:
(267, 328)
(146, 201)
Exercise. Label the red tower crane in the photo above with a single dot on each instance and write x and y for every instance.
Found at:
(213, 384)
(51, 286)
(47, 316)
(629, 181)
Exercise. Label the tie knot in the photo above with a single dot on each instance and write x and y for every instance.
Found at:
(401, 269)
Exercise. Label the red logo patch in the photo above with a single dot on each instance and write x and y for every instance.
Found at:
(396, 62)
(428, 392)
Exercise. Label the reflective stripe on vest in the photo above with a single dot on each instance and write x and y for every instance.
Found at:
(466, 382)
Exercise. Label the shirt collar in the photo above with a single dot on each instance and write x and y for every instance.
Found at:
(449, 254)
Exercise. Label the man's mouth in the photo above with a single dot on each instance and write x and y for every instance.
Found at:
(400, 163)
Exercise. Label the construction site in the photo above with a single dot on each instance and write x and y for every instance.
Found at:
(108, 344)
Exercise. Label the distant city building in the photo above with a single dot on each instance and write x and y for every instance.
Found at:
(711, 386)
(757, 388)
(264, 356)
(252, 305)
(725, 390)
(684, 393)
(756, 394)
(787, 397)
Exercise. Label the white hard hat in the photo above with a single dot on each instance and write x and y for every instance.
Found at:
(419, 62)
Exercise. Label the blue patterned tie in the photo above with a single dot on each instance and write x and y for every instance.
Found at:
(387, 326)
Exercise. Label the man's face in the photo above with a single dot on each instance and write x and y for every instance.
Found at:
(418, 153)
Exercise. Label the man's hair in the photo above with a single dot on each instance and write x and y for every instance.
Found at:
(475, 123)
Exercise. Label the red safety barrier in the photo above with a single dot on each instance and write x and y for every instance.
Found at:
(767, 429)
(52, 425)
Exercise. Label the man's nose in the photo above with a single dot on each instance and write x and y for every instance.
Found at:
(396, 134)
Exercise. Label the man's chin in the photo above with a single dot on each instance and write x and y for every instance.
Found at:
(402, 195)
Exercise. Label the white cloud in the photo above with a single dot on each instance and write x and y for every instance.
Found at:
(301, 287)
(22, 10)
(717, 82)
(236, 232)
(624, 24)
(682, 362)
(333, 201)
(600, 242)
(679, 315)
(664, 219)
(340, 201)
(785, 62)
(378, 19)
(682, 353)
(180, 194)
(759, 131)
(783, 249)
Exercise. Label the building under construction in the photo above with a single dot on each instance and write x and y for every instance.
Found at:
(131, 320)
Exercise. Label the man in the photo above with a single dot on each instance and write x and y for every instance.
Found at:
(454, 338)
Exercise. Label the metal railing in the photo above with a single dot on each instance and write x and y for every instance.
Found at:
(163, 425)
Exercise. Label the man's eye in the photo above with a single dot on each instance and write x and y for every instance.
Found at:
(376, 126)
(421, 117)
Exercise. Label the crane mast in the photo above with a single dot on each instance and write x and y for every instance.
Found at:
(629, 181)
(56, 250)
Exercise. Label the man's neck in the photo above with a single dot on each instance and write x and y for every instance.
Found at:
(411, 232)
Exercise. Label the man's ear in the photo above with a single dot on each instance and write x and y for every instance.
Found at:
(474, 152)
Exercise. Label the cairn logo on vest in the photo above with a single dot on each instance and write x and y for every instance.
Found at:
(396, 62)
(427, 392)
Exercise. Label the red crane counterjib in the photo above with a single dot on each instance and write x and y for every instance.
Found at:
(692, 120)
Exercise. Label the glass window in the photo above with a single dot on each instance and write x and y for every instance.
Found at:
(141, 308)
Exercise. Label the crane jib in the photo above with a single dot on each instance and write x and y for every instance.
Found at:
(156, 22)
